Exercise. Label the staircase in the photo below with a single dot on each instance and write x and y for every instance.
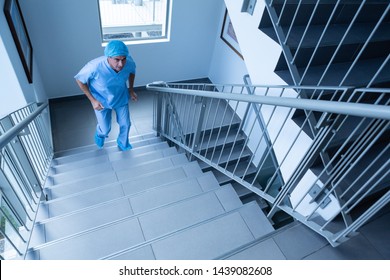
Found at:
(338, 43)
(211, 131)
(227, 146)
(331, 43)
(148, 203)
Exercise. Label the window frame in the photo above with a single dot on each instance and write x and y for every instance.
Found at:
(140, 40)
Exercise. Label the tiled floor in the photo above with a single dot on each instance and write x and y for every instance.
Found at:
(73, 120)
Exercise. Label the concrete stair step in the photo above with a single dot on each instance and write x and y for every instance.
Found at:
(136, 141)
(206, 240)
(107, 151)
(228, 154)
(66, 167)
(148, 227)
(224, 138)
(107, 204)
(94, 193)
(201, 240)
(119, 166)
(125, 206)
(106, 176)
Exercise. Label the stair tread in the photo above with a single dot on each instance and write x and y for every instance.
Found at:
(107, 175)
(97, 194)
(202, 241)
(138, 140)
(128, 166)
(98, 243)
(110, 204)
(335, 33)
(148, 155)
(173, 192)
(361, 75)
(143, 229)
(107, 151)
(228, 154)
(128, 172)
(149, 201)
(218, 139)
(187, 213)
(240, 171)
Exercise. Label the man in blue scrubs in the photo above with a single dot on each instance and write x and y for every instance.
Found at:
(104, 82)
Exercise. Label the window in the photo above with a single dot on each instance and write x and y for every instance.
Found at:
(134, 20)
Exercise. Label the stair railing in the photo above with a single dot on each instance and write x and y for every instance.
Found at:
(333, 196)
(25, 157)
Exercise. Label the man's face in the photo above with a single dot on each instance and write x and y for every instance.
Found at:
(117, 62)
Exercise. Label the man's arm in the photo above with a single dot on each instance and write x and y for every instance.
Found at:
(95, 104)
(133, 95)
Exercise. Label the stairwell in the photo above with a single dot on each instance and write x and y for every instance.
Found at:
(147, 203)
(153, 203)
(227, 145)
(219, 138)
(343, 43)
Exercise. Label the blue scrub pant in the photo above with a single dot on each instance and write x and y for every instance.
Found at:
(103, 127)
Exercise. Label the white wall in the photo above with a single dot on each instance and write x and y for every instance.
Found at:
(260, 54)
(11, 94)
(226, 67)
(229, 68)
(66, 35)
(15, 90)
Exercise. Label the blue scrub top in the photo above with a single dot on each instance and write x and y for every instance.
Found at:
(106, 85)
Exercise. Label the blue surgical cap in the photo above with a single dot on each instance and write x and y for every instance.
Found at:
(116, 48)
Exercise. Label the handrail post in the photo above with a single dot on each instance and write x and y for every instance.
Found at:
(158, 116)
(198, 130)
(263, 127)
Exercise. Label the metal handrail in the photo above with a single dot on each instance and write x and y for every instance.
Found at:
(274, 171)
(25, 154)
(345, 108)
(13, 132)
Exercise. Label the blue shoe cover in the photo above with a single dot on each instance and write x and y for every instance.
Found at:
(99, 141)
(129, 147)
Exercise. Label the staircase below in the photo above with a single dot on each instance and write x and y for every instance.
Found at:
(146, 203)
(151, 203)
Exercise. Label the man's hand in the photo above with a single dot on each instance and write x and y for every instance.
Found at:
(97, 105)
(133, 95)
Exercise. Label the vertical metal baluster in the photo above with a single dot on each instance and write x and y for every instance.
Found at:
(319, 41)
(293, 21)
(305, 32)
(365, 45)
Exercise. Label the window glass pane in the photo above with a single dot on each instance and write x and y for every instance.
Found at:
(130, 20)
(7, 251)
